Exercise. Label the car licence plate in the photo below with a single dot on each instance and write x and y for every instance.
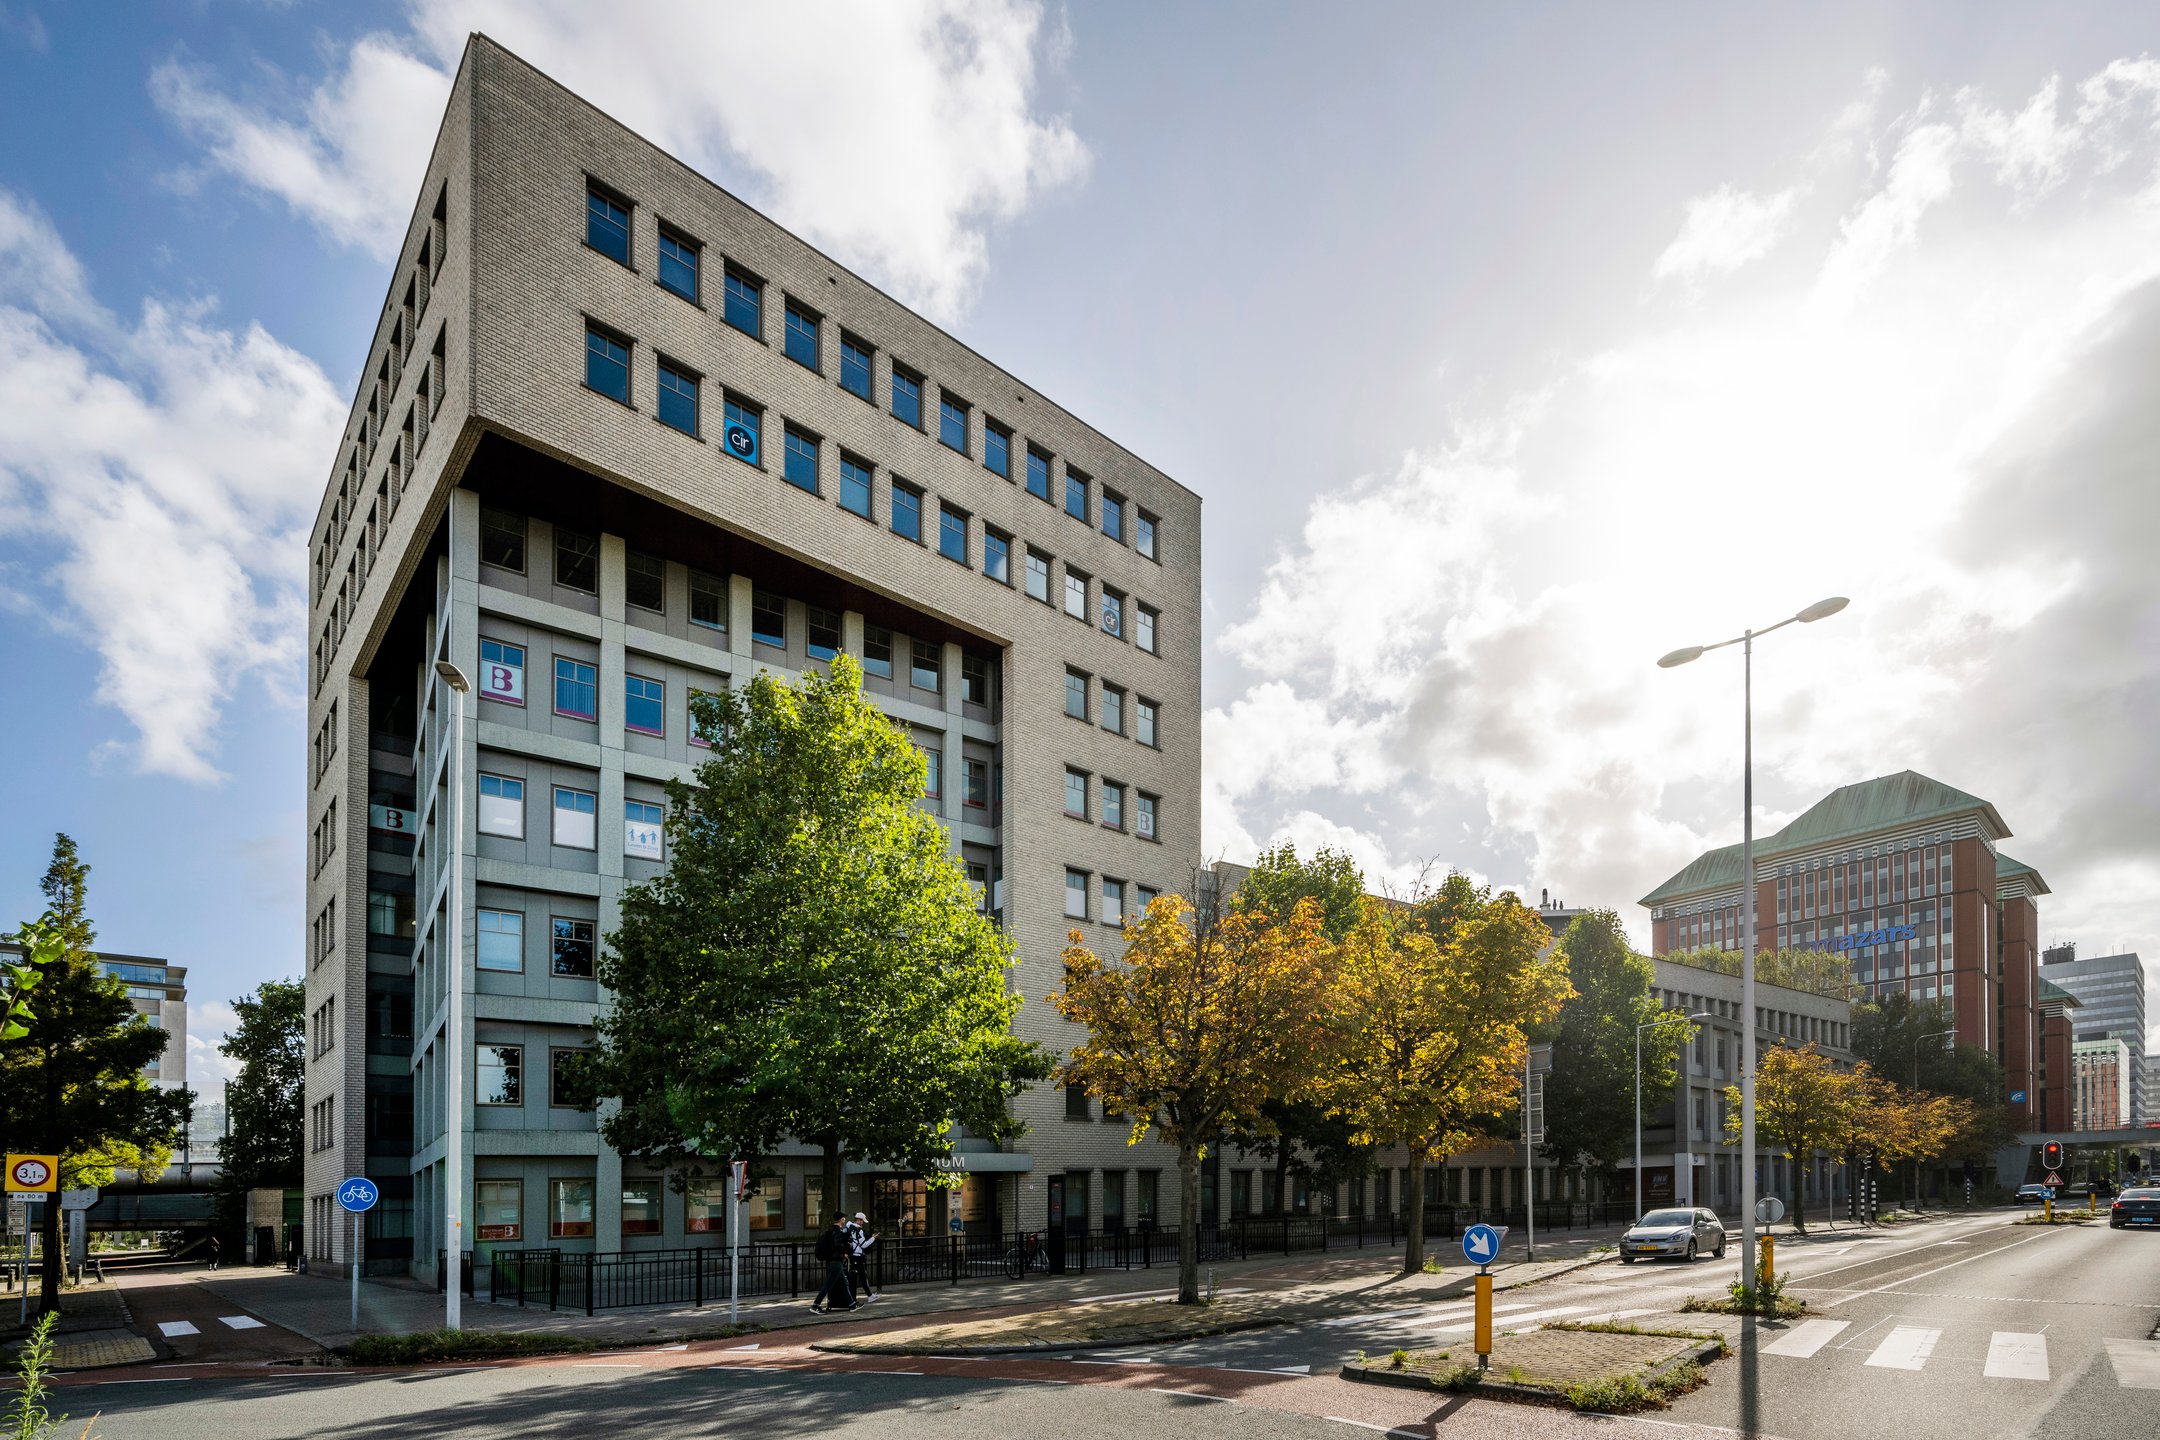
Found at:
(2143, 1219)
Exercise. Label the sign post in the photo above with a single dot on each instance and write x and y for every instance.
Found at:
(1481, 1246)
(738, 1173)
(358, 1195)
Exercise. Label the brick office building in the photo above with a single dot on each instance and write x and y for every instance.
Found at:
(622, 438)
(1906, 876)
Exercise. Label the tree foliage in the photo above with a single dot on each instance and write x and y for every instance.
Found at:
(1817, 972)
(813, 961)
(72, 1084)
(1803, 1103)
(1195, 1029)
(266, 1103)
(1590, 1097)
(1902, 1038)
(1435, 1000)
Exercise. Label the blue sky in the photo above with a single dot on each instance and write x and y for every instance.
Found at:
(1555, 336)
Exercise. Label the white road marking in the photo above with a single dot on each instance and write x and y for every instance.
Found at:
(1400, 1430)
(1136, 1360)
(1909, 1279)
(2017, 1355)
(2137, 1363)
(1906, 1348)
(240, 1322)
(1194, 1395)
(1804, 1339)
(1552, 1314)
(733, 1348)
(1425, 1314)
(171, 1328)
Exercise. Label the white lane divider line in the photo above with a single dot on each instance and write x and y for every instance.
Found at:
(2137, 1363)
(1905, 1348)
(1804, 1339)
(2017, 1355)
(240, 1322)
(171, 1329)
(1194, 1395)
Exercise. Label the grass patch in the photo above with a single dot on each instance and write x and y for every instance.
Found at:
(2061, 1217)
(1774, 1307)
(1621, 1327)
(1628, 1394)
(432, 1345)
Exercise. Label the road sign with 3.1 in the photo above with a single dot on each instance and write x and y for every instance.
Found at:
(358, 1194)
(1481, 1243)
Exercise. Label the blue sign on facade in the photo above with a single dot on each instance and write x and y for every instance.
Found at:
(357, 1194)
(1480, 1244)
(1865, 939)
(741, 441)
(2017, 1097)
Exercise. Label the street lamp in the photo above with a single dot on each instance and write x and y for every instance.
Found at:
(454, 1025)
(1820, 610)
(1652, 1025)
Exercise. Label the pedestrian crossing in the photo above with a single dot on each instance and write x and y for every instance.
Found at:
(2010, 1355)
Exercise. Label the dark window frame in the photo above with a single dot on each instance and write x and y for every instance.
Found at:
(670, 235)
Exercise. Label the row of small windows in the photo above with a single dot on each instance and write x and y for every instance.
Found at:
(1146, 714)
(1114, 892)
(608, 230)
(575, 823)
(1111, 809)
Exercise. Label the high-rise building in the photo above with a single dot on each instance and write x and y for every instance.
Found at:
(2110, 991)
(158, 991)
(622, 439)
(1904, 875)
(2101, 1077)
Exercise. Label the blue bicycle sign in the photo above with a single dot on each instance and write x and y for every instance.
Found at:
(357, 1194)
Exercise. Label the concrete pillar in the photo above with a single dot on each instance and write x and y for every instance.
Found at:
(738, 621)
(951, 806)
(614, 657)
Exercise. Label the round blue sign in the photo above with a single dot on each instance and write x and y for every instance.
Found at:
(1481, 1244)
(357, 1194)
(2017, 1097)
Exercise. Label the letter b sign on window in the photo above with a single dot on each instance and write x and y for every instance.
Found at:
(503, 682)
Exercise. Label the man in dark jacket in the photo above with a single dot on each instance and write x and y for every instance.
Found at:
(836, 1248)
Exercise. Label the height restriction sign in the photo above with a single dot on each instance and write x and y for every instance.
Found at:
(34, 1174)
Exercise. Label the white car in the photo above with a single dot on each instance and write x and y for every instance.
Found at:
(1678, 1233)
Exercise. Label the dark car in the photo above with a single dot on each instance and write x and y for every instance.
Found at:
(2137, 1205)
(2034, 1194)
(1681, 1233)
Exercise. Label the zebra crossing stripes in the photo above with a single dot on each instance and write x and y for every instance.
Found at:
(2137, 1363)
(2017, 1355)
(1804, 1339)
(1905, 1348)
(2014, 1355)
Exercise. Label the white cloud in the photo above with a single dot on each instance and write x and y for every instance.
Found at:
(209, 1023)
(171, 465)
(894, 134)
(1723, 231)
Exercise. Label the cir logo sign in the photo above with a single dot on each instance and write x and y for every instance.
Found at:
(35, 1174)
(358, 1194)
(741, 441)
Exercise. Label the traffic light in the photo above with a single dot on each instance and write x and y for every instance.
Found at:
(2051, 1155)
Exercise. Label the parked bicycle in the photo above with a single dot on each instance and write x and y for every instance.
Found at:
(1027, 1255)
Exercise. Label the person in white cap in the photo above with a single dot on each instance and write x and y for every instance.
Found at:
(861, 1237)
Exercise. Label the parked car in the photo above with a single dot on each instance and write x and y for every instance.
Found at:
(2137, 1205)
(2034, 1194)
(1682, 1233)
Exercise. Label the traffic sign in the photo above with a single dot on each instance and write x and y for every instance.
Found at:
(358, 1194)
(78, 1199)
(2053, 1179)
(33, 1174)
(1481, 1243)
(1769, 1210)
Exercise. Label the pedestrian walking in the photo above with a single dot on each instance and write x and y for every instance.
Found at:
(860, 1238)
(213, 1252)
(836, 1248)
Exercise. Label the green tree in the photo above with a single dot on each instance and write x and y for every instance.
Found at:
(1803, 1103)
(1296, 1134)
(813, 961)
(1590, 1092)
(266, 1103)
(1901, 1038)
(72, 1084)
(1818, 972)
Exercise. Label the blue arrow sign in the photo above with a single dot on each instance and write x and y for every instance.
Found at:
(1481, 1244)
(357, 1194)
(2017, 1097)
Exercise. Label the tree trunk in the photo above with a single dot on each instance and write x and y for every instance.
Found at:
(1188, 1225)
(1799, 1200)
(1282, 1175)
(1413, 1259)
(835, 1201)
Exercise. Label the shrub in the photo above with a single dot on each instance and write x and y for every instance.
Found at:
(434, 1345)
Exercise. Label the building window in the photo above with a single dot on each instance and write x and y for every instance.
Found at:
(800, 465)
(1076, 788)
(1144, 534)
(571, 948)
(576, 689)
(643, 830)
(854, 366)
(1144, 628)
(644, 705)
(607, 225)
(1113, 805)
(577, 561)
(997, 556)
(906, 511)
(975, 777)
(976, 679)
(1113, 517)
(1113, 612)
(923, 665)
(952, 533)
(576, 813)
(645, 581)
(824, 633)
(1144, 815)
(708, 600)
(502, 941)
(679, 256)
(1076, 894)
(997, 449)
(698, 734)
(1038, 474)
(1076, 688)
(565, 1090)
(933, 771)
(502, 540)
(907, 397)
(607, 364)
(641, 1207)
(1144, 722)
(744, 424)
(499, 1075)
(800, 340)
(502, 806)
(570, 1209)
(1113, 902)
(854, 486)
(877, 651)
(768, 619)
(953, 423)
(502, 672)
(1076, 588)
(745, 305)
(499, 1209)
(1113, 709)
(1076, 494)
(678, 402)
(1038, 576)
(1077, 1104)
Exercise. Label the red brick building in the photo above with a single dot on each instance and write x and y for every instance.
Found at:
(1905, 876)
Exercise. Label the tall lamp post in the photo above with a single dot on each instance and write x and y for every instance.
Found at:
(1918, 1045)
(1652, 1025)
(1820, 610)
(454, 1025)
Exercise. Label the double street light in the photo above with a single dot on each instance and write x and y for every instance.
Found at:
(1820, 610)
(1678, 1116)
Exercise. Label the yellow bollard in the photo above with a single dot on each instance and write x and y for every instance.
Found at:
(1769, 1257)
(1482, 1337)
(2047, 1209)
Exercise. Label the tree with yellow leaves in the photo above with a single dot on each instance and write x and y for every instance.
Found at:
(1435, 998)
(1204, 1021)
(1915, 1125)
(1803, 1103)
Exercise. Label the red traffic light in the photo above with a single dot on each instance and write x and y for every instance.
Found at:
(2051, 1154)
